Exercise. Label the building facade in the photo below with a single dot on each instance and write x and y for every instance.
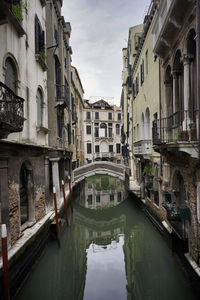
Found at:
(176, 133)
(59, 94)
(77, 117)
(77, 120)
(35, 111)
(102, 125)
(145, 109)
(23, 116)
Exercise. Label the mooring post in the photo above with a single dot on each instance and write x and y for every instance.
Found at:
(56, 211)
(70, 192)
(65, 202)
(5, 261)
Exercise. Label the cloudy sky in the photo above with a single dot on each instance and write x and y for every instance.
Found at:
(99, 32)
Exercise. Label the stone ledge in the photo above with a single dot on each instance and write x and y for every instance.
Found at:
(193, 264)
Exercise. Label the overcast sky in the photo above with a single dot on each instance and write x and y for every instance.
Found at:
(99, 32)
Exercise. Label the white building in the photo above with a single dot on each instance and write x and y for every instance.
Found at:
(102, 132)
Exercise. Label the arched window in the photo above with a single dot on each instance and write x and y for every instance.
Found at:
(11, 74)
(117, 129)
(142, 127)
(39, 98)
(147, 124)
(103, 130)
(168, 92)
(178, 85)
(191, 52)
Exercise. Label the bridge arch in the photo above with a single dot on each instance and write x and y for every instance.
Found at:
(99, 167)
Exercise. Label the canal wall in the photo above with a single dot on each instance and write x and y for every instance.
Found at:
(25, 252)
(178, 246)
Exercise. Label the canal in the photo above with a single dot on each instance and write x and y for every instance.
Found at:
(110, 250)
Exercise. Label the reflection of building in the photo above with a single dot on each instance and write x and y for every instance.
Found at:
(103, 191)
(102, 132)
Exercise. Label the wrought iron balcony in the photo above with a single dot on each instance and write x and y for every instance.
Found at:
(62, 94)
(179, 127)
(11, 111)
(12, 11)
(142, 147)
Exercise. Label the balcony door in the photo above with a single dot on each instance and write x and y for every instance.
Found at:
(11, 74)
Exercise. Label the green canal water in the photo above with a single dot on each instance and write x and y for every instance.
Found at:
(109, 251)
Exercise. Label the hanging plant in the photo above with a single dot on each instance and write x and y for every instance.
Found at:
(17, 10)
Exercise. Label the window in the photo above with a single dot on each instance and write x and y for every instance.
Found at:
(56, 36)
(58, 78)
(96, 130)
(119, 197)
(109, 130)
(89, 199)
(118, 148)
(103, 130)
(110, 148)
(60, 117)
(112, 197)
(96, 115)
(147, 62)
(117, 129)
(133, 90)
(67, 98)
(119, 117)
(11, 74)
(69, 133)
(98, 198)
(96, 148)
(88, 129)
(142, 72)
(118, 161)
(39, 99)
(73, 136)
(88, 115)
(89, 148)
(39, 39)
(109, 116)
(137, 84)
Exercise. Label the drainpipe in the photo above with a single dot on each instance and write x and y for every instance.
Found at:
(161, 166)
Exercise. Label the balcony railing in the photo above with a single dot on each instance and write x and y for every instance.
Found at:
(179, 127)
(11, 111)
(62, 94)
(142, 147)
(104, 155)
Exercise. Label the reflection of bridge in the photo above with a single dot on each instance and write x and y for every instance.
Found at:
(103, 168)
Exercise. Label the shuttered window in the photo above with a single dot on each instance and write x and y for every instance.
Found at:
(39, 38)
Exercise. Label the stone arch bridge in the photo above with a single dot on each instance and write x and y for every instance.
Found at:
(103, 168)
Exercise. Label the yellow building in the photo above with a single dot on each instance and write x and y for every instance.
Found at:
(145, 109)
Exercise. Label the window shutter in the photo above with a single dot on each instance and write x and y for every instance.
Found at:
(133, 90)
(36, 35)
(41, 41)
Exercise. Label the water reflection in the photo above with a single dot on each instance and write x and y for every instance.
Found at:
(109, 253)
(101, 191)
